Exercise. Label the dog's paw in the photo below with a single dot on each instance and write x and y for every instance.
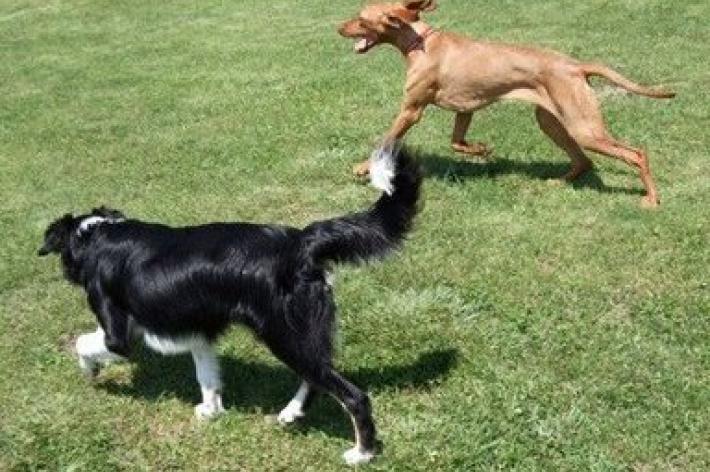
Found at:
(208, 411)
(89, 368)
(480, 150)
(556, 182)
(357, 456)
(362, 169)
(650, 202)
(290, 415)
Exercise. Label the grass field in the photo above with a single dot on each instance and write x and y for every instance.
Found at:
(523, 327)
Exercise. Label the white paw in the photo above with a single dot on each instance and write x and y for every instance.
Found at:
(88, 367)
(208, 411)
(289, 415)
(357, 456)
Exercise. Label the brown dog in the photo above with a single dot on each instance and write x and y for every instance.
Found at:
(462, 75)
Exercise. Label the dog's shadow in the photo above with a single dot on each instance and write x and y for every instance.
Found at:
(264, 388)
(455, 168)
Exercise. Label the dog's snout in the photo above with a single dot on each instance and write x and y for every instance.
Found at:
(346, 28)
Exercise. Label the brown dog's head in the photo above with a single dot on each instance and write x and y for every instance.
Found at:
(383, 22)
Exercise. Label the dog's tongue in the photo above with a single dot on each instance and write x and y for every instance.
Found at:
(362, 45)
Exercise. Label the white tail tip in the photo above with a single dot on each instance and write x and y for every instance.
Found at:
(382, 166)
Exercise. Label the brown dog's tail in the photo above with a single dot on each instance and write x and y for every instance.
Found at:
(618, 79)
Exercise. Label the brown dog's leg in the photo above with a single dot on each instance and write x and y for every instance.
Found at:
(458, 139)
(557, 133)
(408, 117)
(632, 156)
(582, 118)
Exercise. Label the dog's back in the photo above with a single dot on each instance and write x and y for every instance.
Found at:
(174, 281)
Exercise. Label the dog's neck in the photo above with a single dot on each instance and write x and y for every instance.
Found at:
(73, 255)
(412, 41)
(88, 223)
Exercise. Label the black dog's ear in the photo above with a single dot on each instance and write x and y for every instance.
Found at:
(109, 213)
(56, 236)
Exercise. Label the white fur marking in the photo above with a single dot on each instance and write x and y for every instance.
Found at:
(90, 221)
(169, 346)
(87, 223)
(207, 369)
(93, 352)
(382, 166)
(357, 456)
(294, 409)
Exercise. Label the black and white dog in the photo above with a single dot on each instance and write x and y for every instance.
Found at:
(179, 288)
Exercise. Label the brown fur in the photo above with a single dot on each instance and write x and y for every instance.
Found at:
(463, 75)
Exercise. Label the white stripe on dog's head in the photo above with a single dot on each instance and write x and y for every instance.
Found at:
(91, 221)
(88, 222)
(382, 165)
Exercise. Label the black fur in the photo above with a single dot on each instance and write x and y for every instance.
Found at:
(197, 280)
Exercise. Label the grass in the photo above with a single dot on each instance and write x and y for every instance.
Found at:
(523, 327)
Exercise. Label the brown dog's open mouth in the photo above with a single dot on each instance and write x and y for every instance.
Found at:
(362, 45)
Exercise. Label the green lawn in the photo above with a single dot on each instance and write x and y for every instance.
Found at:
(524, 326)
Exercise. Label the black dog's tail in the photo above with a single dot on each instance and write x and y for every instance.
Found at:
(371, 234)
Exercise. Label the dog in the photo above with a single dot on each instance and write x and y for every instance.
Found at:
(180, 288)
(462, 75)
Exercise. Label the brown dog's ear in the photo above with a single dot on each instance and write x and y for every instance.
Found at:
(394, 21)
(420, 5)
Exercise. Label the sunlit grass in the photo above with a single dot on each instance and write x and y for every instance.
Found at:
(523, 326)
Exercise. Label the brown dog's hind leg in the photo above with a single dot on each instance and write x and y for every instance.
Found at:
(557, 133)
(458, 138)
(580, 114)
(632, 156)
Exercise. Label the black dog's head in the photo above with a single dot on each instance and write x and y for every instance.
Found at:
(58, 233)
(56, 237)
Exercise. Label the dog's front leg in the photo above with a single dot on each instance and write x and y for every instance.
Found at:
(109, 343)
(408, 116)
(207, 369)
(458, 138)
(92, 351)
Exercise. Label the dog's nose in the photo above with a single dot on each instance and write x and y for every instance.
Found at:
(343, 28)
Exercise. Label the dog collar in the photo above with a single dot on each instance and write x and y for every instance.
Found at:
(419, 40)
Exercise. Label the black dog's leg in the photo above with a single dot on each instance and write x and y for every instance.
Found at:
(111, 340)
(298, 405)
(309, 356)
(357, 404)
(207, 369)
(323, 377)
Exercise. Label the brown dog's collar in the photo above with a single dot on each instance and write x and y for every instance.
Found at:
(419, 40)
